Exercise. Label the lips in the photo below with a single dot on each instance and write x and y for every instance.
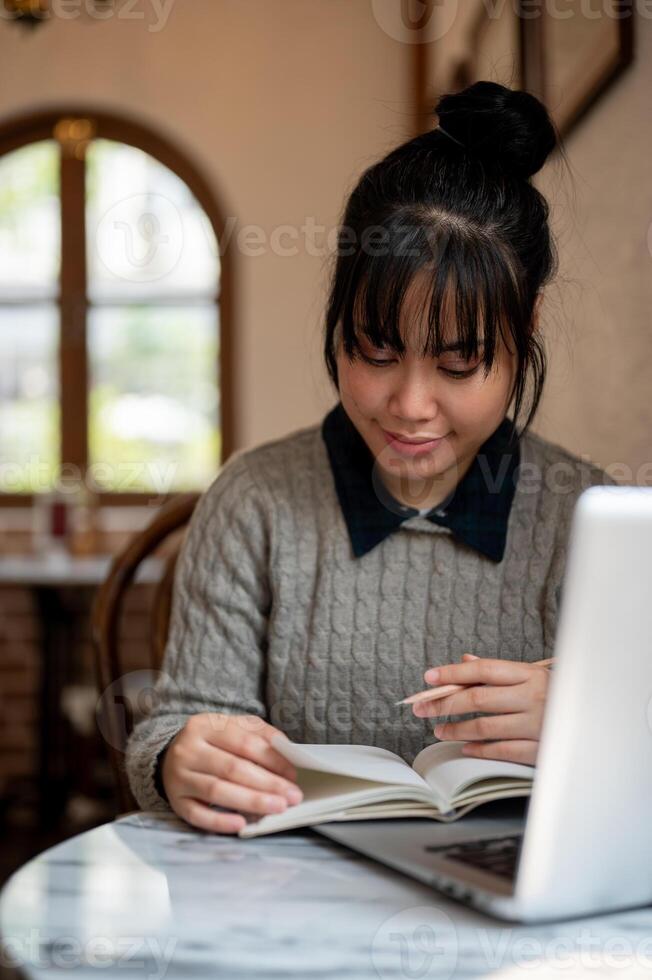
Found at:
(409, 441)
(412, 448)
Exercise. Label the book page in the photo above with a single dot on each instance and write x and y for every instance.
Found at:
(326, 793)
(448, 772)
(366, 762)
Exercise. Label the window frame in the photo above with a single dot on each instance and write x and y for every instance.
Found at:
(72, 299)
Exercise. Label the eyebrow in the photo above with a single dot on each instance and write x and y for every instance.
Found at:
(459, 345)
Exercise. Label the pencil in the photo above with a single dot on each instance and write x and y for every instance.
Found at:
(434, 693)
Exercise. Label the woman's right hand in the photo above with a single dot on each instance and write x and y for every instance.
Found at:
(227, 760)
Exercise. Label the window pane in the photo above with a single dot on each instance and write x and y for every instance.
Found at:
(154, 406)
(30, 232)
(29, 399)
(147, 234)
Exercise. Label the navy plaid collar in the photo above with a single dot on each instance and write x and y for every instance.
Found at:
(476, 512)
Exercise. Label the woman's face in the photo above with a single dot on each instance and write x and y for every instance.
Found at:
(445, 399)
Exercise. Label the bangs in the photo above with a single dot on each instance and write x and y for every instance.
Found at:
(464, 290)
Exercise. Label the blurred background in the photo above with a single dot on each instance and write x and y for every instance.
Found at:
(172, 174)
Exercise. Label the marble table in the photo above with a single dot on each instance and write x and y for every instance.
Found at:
(148, 896)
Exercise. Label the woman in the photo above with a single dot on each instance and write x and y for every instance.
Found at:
(326, 574)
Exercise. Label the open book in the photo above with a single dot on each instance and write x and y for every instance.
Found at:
(363, 782)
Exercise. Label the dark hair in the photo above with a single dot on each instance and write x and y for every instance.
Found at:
(468, 215)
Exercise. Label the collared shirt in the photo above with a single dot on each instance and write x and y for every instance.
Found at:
(476, 512)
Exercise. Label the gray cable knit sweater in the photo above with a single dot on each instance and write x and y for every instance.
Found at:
(274, 616)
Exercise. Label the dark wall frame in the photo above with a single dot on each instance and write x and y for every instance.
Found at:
(531, 58)
(534, 68)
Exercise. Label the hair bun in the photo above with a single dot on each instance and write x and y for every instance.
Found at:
(508, 127)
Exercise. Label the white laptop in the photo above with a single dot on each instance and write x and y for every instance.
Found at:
(584, 843)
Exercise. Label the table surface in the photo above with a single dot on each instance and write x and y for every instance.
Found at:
(150, 896)
(62, 569)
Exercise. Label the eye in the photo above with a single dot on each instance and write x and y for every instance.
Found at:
(451, 372)
(457, 373)
(377, 361)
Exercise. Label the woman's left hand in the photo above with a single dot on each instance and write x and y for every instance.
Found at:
(512, 693)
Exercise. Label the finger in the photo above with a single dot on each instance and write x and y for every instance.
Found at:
(258, 725)
(199, 815)
(214, 791)
(239, 740)
(478, 697)
(469, 656)
(516, 750)
(215, 762)
(239, 725)
(519, 725)
(221, 724)
(480, 671)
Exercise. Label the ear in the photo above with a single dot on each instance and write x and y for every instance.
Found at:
(536, 311)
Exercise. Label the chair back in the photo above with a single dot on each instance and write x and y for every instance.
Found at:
(115, 706)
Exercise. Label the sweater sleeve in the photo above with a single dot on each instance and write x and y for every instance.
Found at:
(216, 651)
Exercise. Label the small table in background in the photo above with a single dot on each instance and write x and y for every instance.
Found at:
(59, 583)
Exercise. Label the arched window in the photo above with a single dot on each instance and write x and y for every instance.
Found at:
(114, 308)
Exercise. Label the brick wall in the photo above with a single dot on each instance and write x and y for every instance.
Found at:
(19, 683)
(20, 671)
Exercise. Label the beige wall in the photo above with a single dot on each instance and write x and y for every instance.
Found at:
(283, 103)
(598, 316)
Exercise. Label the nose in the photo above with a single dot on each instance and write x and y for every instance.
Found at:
(413, 399)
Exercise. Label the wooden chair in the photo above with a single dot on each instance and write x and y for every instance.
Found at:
(115, 711)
